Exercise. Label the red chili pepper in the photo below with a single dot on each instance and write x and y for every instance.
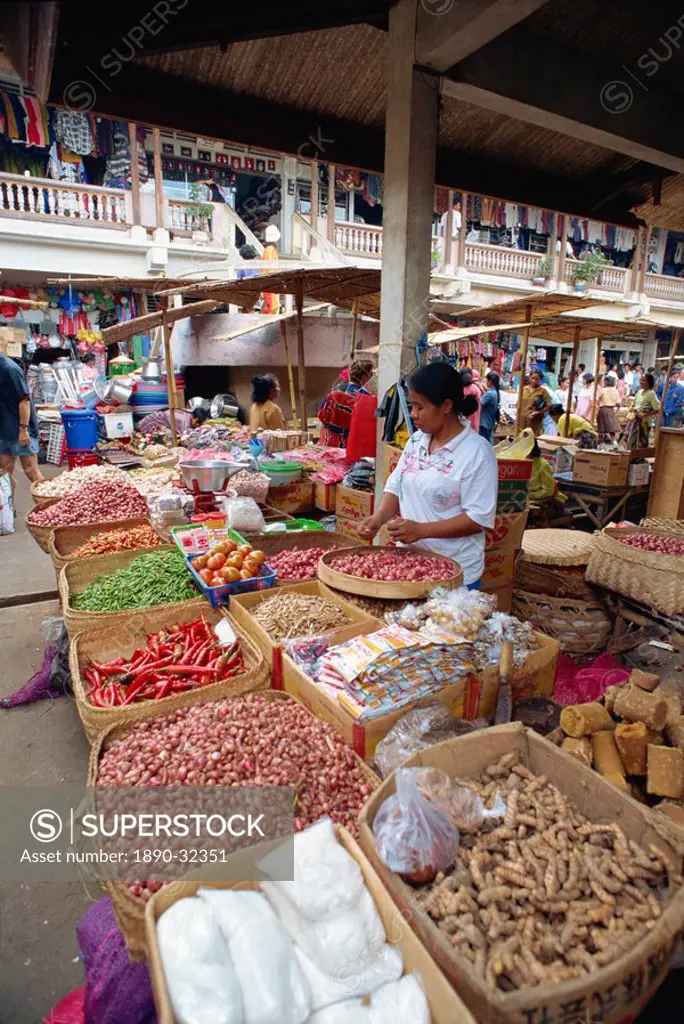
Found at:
(164, 689)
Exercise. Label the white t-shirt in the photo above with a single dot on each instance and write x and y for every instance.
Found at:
(460, 477)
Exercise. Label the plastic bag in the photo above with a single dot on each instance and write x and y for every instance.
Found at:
(361, 476)
(352, 978)
(401, 1002)
(352, 1011)
(6, 505)
(418, 729)
(412, 836)
(274, 989)
(462, 806)
(306, 652)
(335, 940)
(243, 514)
(200, 977)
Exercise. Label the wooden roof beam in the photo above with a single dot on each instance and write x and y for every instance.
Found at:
(447, 32)
(524, 76)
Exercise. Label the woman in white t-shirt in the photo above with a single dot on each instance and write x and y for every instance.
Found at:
(442, 494)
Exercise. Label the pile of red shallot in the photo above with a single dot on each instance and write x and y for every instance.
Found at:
(246, 741)
(659, 545)
(296, 563)
(397, 565)
(92, 503)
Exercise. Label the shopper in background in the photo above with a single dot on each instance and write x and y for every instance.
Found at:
(636, 377)
(622, 385)
(471, 389)
(18, 423)
(536, 402)
(265, 414)
(609, 403)
(442, 494)
(271, 302)
(673, 402)
(644, 410)
(585, 399)
(89, 370)
(490, 406)
(335, 413)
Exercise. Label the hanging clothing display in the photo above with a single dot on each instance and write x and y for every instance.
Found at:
(74, 131)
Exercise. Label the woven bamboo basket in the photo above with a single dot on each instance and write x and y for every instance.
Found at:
(41, 499)
(385, 588)
(41, 534)
(582, 628)
(76, 576)
(129, 911)
(646, 577)
(106, 644)
(553, 581)
(665, 525)
(66, 539)
(557, 547)
(303, 540)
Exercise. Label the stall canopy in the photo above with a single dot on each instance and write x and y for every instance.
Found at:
(126, 284)
(533, 307)
(146, 323)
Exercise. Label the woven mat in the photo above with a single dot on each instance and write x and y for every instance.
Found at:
(557, 547)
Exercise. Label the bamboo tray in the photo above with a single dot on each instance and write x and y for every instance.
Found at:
(557, 547)
(66, 539)
(384, 588)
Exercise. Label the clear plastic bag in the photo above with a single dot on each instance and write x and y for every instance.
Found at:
(420, 728)
(462, 806)
(243, 514)
(307, 652)
(413, 836)
(6, 505)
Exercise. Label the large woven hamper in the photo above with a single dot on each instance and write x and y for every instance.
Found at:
(649, 578)
(582, 628)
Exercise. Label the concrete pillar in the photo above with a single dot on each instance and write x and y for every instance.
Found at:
(410, 147)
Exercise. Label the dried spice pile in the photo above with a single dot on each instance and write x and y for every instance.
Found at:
(288, 615)
(548, 896)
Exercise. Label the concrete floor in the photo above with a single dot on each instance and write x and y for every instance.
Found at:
(40, 744)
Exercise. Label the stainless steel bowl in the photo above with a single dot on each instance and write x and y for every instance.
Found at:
(199, 403)
(223, 405)
(117, 391)
(209, 474)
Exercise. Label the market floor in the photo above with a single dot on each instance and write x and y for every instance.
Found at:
(40, 744)
(25, 570)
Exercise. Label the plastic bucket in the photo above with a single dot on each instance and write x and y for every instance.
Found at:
(80, 427)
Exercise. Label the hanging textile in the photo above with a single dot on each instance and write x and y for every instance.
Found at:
(347, 179)
(35, 129)
(373, 190)
(73, 131)
(12, 128)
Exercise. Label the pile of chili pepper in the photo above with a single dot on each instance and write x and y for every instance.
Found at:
(175, 660)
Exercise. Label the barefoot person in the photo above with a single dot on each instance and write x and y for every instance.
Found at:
(18, 424)
(442, 494)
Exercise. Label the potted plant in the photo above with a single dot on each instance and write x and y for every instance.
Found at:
(199, 213)
(543, 271)
(587, 270)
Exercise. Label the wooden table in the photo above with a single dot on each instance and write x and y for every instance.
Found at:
(600, 504)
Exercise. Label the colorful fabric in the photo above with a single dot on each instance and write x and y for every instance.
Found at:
(460, 477)
(74, 131)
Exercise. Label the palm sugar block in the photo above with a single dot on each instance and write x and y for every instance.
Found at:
(640, 706)
(585, 719)
(665, 772)
(631, 739)
(644, 680)
(606, 756)
(579, 748)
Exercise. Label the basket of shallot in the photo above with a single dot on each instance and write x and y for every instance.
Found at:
(408, 572)
(645, 565)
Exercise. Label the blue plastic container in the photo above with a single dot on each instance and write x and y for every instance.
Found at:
(218, 596)
(80, 427)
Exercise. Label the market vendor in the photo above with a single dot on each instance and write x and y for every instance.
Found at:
(265, 414)
(536, 402)
(578, 424)
(335, 414)
(442, 494)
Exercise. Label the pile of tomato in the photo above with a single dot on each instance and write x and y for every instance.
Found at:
(228, 562)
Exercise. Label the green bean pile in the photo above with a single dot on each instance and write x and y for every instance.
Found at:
(159, 577)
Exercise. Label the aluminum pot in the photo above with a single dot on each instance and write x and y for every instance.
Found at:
(209, 474)
(199, 403)
(151, 369)
(117, 391)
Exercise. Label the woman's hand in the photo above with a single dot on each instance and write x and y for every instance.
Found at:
(369, 527)
(405, 530)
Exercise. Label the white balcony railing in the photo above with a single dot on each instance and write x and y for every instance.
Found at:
(359, 240)
(611, 279)
(491, 259)
(183, 217)
(662, 286)
(44, 198)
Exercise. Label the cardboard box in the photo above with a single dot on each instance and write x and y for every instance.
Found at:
(296, 499)
(614, 993)
(514, 469)
(386, 462)
(559, 452)
(639, 474)
(512, 496)
(350, 528)
(499, 567)
(241, 605)
(353, 504)
(446, 1007)
(325, 496)
(507, 531)
(471, 697)
(602, 469)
